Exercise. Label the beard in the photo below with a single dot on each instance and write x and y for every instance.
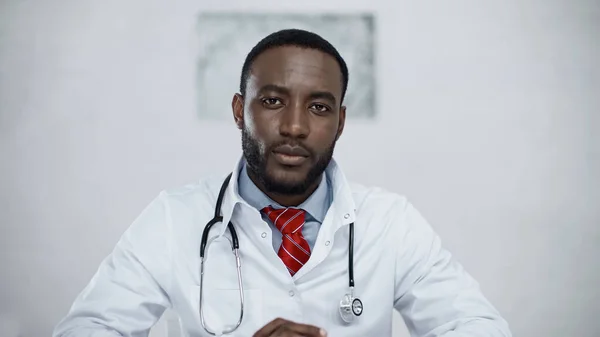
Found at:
(257, 164)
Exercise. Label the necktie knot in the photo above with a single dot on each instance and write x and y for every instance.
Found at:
(287, 220)
(294, 250)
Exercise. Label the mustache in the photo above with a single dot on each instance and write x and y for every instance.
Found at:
(290, 143)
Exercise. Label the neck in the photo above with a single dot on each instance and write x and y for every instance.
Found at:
(286, 200)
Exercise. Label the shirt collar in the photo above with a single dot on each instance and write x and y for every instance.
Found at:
(342, 204)
(316, 205)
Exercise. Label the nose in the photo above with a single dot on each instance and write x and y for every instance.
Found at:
(294, 121)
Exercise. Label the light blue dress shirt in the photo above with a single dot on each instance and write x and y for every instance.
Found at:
(316, 206)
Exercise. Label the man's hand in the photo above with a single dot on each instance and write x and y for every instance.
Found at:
(280, 327)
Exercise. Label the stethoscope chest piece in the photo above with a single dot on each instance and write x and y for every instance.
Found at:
(350, 308)
(357, 307)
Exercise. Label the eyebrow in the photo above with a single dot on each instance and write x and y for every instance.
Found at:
(274, 87)
(323, 95)
(313, 95)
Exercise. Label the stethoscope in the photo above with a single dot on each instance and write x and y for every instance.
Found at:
(350, 306)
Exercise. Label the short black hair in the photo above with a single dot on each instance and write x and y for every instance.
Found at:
(298, 38)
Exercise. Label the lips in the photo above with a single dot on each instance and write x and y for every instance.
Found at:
(290, 155)
(291, 151)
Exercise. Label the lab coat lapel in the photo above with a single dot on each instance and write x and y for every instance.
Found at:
(341, 213)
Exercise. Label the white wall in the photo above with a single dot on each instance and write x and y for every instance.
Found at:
(491, 109)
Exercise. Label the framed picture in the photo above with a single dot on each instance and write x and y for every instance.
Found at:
(226, 38)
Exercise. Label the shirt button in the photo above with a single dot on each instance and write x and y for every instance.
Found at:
(291, 293)
(327, 243)
(346, 216)
(263, 235)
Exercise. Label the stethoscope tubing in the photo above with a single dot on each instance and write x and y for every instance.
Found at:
(217, 218)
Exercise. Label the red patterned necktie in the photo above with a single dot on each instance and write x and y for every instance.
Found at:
(294, 250)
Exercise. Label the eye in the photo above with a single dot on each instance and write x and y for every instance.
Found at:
(320, 107)
(270, 101)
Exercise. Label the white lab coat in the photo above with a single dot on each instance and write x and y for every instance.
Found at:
(398, 263)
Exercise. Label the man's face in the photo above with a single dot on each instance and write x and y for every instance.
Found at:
(291, 117)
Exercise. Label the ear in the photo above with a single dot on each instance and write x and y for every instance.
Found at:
(342, 122)
(237, 107)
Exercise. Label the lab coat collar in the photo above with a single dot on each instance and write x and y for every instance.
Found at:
(342, 207)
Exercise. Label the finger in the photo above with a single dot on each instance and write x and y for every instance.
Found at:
(270, 328)
(297, 329)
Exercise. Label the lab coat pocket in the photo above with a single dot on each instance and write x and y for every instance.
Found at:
(222, 308)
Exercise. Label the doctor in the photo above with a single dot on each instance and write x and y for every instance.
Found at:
(298, 223)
